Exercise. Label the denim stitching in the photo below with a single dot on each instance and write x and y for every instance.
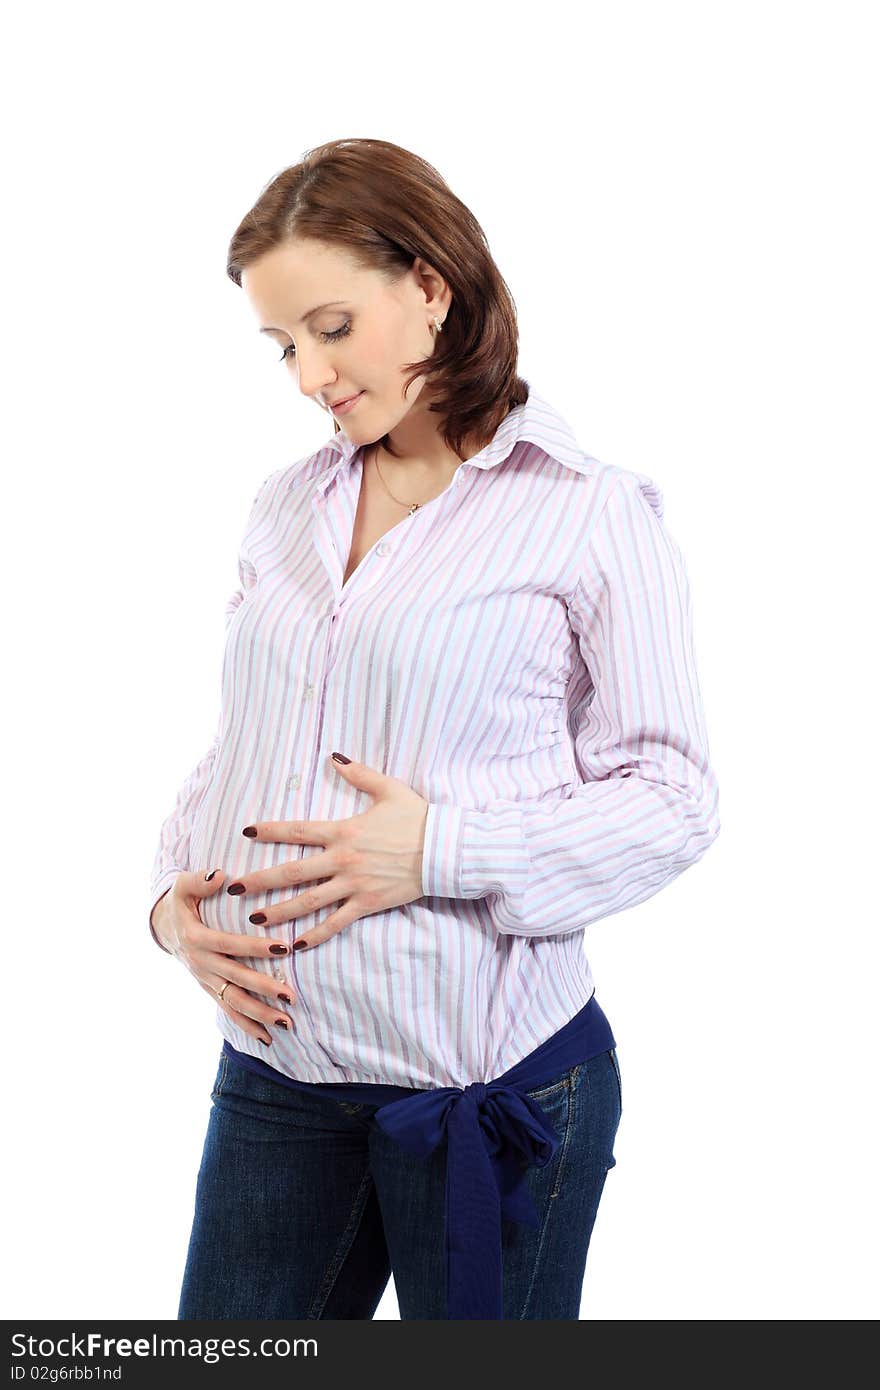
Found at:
(566, 1138)
(567, 1080)
(557, 1182)
(346, 1241)
(221, 1082)
(616, 1065)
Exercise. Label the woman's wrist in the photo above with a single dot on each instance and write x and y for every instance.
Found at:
(157, 918)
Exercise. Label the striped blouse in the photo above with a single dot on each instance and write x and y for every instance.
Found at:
(519, 651)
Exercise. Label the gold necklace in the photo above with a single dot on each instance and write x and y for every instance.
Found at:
(413, 506)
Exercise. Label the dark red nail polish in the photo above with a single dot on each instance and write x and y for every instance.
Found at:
(250, 831)
(209, 876)
(258, 918)
(235, 889)
(278, 950)
(281, 1023)
(285, 998)
(340, 757)
(298, 944)
(265, 1041)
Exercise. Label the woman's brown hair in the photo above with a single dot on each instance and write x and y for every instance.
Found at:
(386, 206)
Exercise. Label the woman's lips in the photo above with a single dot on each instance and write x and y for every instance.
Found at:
(347, 405)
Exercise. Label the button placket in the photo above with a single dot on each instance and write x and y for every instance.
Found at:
(294, 781)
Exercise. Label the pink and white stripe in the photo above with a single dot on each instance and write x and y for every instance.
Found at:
(520, 652)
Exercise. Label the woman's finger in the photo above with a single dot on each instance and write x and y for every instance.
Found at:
(207, 964)
(243, 1002)
(247, 1025)
(227, 943)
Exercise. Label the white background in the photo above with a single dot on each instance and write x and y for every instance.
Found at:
(682, 198)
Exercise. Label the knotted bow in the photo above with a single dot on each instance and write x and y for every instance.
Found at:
(494, 1134)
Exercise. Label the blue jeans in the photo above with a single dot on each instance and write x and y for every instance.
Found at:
(304, 1207)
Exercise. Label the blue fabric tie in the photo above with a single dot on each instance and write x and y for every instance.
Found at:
(494, 1134)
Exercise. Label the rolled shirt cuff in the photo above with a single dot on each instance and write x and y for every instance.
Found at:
(158, 890)
(469, 853)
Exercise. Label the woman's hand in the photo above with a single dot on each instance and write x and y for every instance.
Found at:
(208, 955)
(371, 861)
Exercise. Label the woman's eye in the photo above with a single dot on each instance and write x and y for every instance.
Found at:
(333, 337)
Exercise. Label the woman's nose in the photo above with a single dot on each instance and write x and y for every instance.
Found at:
(315, 379)
(318, 387)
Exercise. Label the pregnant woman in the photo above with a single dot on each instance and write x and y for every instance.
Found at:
(460, 722)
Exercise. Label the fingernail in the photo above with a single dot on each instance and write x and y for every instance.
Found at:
(209, 876)
(340, 757)
(285, 998)
(281, 1023)
(258, 918)
(297, 944)
(250, 830)
(278, 950)
(265, 1041)
(235, 888)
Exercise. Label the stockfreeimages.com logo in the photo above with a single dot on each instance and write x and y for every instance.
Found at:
(94, 1346)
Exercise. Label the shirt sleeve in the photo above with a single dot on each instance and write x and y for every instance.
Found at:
(174, 838)
(647, 803)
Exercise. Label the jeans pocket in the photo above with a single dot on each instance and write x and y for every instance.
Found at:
(556, 1099)
(553, 1089)
(616, 1065)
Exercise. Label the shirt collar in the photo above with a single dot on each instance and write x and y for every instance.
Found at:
(535, 422)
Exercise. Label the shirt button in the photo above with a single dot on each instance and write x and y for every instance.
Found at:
(309, 691)
(276, 971)
(294, 782)
(382, 548)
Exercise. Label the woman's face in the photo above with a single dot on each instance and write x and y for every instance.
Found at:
(359, 342)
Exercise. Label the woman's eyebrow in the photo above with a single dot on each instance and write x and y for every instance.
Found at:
(316, 310)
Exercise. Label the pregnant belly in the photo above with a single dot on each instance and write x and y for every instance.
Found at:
(216, 842)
